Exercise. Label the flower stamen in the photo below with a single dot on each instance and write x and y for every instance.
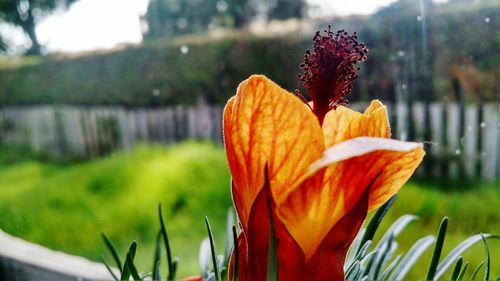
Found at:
(329, 69)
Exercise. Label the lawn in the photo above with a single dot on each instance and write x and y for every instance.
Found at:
(65, 206)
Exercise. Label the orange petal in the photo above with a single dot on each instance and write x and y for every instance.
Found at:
(343, 123)
(265, 124)
(328, 261)
(339, 179)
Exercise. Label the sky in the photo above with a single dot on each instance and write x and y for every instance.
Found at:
(87, 25)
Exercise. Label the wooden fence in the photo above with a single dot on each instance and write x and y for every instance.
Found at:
(461, 141)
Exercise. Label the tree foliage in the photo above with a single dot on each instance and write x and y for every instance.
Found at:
(26, 13)
(167, 18)
(285, 9)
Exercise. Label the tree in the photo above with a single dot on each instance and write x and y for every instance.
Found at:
(166, 18)
(25, 13)
(285, 9)
(3, 45)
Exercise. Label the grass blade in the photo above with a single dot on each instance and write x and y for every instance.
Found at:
(487, 261)
(109, 269)
(437, 249)
(236, 253)
(462, 272)
(411, 257)
(212, 248)
(132, 268)
(376, 220)
(127, 265)
(474, 274)
(450, 258)
(157, 258)
(457, 269)
(171, 272)
(113, 251)
(175, 263)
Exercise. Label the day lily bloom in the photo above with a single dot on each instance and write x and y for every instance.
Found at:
(306, 174)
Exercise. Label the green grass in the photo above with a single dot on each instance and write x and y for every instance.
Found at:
(65, 206)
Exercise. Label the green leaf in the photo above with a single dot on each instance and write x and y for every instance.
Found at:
(113, 251)
(353, 271)
(354, 249)
(229, 238)
(390, 268)
(376, 220)
(363, 251)
(437, 249)
(487, 261)
(386, 250)
(109, 269)
(171, 271)
(360, 255)
(236, 257)
(212, 248)
(368, 261)
(462, 272)
(396, 228)
(411, 257)
(272, 258)
(498, 278)
(474, 274)
(456, 270)
(457, 251)
(157, 258)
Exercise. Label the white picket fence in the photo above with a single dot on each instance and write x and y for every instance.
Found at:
(461, 141)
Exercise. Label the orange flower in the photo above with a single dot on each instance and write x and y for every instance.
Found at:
(319, 170)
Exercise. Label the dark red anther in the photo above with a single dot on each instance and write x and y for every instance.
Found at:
(329, 69)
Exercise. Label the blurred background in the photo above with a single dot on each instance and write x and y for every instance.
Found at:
(109, 107)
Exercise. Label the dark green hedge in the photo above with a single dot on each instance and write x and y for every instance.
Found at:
(154, 75)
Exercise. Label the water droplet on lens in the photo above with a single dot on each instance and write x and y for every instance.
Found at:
(404, 86)
(487, 20)
(401, 53)
(184, 49)
(182, 23)
(419, 18)
(221, 6)
(156, 92)
(458, 151)
(483, 125)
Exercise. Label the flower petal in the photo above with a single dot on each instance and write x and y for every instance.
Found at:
(343, 123)
(338, 180)
(253, 244)
(265, 124)
(328, 261)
